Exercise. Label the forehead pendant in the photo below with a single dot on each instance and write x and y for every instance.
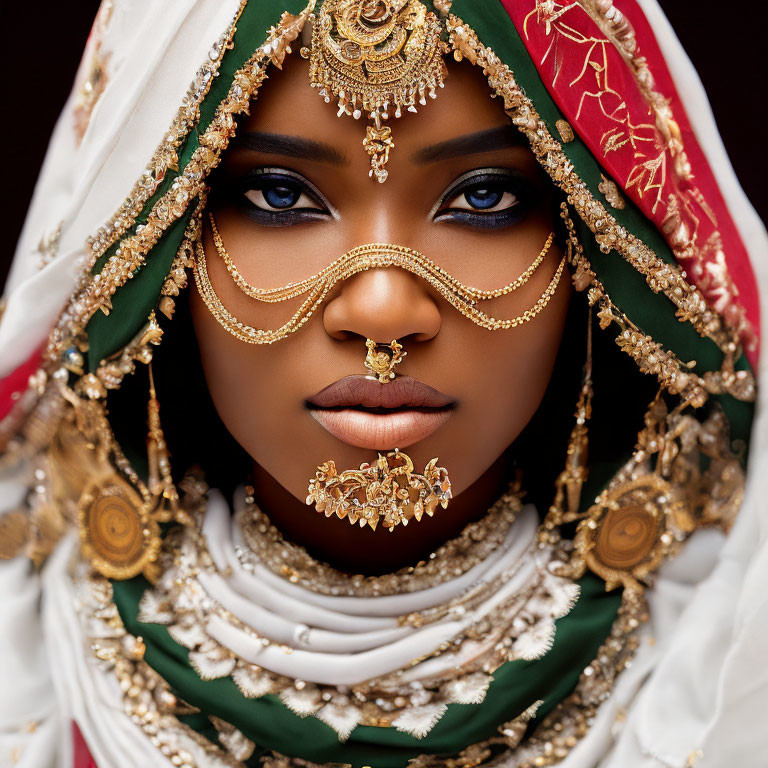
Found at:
(377, 57)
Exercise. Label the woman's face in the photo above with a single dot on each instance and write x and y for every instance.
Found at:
(294, 194)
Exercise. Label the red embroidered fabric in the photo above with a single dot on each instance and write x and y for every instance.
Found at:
(15, 383)
(603, 67)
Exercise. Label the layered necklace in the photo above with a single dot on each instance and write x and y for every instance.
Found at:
(390, 651)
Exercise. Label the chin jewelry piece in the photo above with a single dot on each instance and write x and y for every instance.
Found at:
(377, 57)
(387, 492)
(381, 359)
(315, 288)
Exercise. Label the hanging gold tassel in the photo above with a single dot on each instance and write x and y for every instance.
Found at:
(569, 483)
(160, 479)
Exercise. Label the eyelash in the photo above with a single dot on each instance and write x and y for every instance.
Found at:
(259, 180)
(501, 181)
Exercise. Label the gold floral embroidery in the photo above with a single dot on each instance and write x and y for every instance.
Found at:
(94, 72)
(76, 315)
(611, 192)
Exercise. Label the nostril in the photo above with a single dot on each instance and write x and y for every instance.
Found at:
(383, 304)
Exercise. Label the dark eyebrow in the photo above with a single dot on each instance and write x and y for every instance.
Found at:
(503, 137)
(291, 146)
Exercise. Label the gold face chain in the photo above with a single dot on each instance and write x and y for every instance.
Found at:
(292, 290)
(372, 256)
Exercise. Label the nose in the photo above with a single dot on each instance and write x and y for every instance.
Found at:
(383, 304)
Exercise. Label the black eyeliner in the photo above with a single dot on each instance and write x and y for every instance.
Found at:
(258, 178)
(507, 180)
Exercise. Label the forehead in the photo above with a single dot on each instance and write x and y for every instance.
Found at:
(288, 105)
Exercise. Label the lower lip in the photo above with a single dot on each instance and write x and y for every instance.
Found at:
(381, 431)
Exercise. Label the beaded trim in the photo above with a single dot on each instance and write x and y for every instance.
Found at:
(267, 547)
(520, 627)
(96, 291)
(149, 702)
(147, 699)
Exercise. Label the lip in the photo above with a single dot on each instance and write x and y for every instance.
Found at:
(410, 411)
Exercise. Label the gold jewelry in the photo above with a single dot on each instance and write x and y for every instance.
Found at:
(118, 534)
(388, 491)
(373, 256)
(565, 507)
(292, 290)
(382, 358)
(630, 530)
(160, 479)
(647, 509)
(266, 545)
(376, 56)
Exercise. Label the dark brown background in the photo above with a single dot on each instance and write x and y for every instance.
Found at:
(46, 48)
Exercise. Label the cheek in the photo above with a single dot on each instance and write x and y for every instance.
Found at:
(505, 375)
(241, 380)
(259, 394)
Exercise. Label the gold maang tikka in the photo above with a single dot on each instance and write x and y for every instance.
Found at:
(381, 359)
(376, 57)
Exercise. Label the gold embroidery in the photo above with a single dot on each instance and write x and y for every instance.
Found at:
(609, 234)
(452, 559)
(611, 192)
(96, 290)
(658, 158)
(95, 80)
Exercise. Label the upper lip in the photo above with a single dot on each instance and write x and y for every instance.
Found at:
(361, 391)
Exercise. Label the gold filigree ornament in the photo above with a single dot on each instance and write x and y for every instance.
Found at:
(381, 359)
(630, 529)
(387, 492)
(379, 57)
(118, 533)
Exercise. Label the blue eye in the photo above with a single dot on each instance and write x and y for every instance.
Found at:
(279, 196)
(488, 198)
(484, 198)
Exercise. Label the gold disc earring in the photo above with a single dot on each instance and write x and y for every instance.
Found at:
(381, 359)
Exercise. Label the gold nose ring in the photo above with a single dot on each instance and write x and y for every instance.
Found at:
(381, 359)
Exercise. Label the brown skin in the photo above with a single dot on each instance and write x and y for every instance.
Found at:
(497, 378)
